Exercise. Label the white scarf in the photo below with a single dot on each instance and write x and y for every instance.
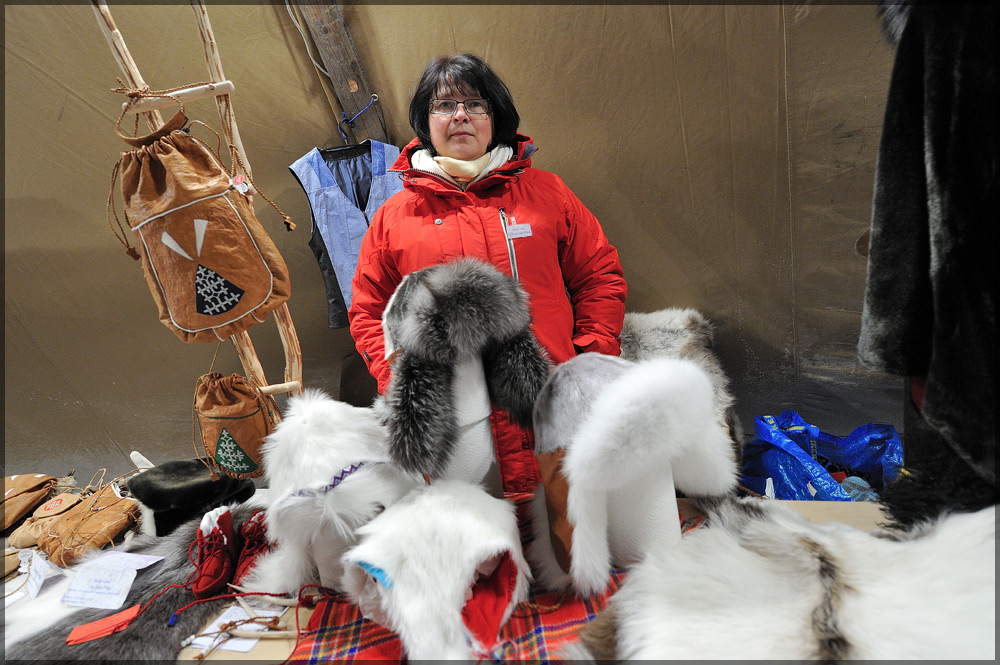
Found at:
(462, 173)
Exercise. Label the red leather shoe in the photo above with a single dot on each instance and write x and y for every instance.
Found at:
(254, 534)
(217, 551)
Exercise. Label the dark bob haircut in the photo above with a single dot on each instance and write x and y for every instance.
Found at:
(469, 75)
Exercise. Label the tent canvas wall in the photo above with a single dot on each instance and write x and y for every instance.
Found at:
(728, 150)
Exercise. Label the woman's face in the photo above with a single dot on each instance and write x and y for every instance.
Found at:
(460, 135)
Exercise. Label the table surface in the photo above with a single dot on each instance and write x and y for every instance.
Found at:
(862, 515)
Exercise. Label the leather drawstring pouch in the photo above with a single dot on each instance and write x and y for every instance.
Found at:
(22, 493)
(92, 523)
(210, 266)
(234, 417)
(45, 515)
(11, 563)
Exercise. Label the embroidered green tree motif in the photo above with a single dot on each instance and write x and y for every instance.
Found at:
(231, 457)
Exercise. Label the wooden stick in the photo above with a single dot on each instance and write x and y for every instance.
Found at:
(223, 102)
(289, 340)
(293, 352)
(123, 57)
(262, 634)
(290, 387)
(184, 95)
(220, 88)
(248, 357)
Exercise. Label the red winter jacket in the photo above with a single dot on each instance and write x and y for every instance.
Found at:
(564, 262)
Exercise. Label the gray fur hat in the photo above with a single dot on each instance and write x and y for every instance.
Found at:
(439, 317)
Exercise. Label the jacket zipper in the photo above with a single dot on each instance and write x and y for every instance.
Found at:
(510, 244)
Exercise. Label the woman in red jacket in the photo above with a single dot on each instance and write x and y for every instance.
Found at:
(470, 191)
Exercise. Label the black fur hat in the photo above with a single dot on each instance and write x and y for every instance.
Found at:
(180, 490)
(439, 317)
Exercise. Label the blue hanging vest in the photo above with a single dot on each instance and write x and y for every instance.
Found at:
(345, 186)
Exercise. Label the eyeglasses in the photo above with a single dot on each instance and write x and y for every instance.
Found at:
(449, 106)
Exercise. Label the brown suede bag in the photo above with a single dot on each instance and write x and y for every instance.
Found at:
(22, 492)
(212, 269)
(45, 515)
(92, 523)
(234, 418)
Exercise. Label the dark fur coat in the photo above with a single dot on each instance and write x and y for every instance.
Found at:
(929, 304)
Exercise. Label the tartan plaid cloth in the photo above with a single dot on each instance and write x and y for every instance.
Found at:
(537, 629)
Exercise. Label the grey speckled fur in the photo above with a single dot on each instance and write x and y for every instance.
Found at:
(683, 333)
(148, 637)
(439, 317)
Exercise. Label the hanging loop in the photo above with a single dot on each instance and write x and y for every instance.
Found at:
(350, 122)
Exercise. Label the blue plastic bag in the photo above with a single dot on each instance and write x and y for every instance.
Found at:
(792, 453)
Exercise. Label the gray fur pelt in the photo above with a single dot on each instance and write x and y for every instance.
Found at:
(439, 317)
(684, 333)
(148, 637)
(775, 586)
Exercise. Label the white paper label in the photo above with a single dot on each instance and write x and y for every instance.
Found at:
(116, 559)
(236, 613)
(97, 586)
(518, 231)
(36, 574)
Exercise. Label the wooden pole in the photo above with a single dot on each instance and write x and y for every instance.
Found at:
(282, 317)
(241, 341)
(189, 94)
(123, 57)
(340, 59)
(222, 102)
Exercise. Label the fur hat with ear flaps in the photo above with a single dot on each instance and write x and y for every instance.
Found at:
(438, 319)
(614, 439)
(442, 568)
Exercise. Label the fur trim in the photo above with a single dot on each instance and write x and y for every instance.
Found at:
(829, 592)
(631, 431)
(420, 415)
(318, 439)
(439, 317)
(893, 16)
(425, 580)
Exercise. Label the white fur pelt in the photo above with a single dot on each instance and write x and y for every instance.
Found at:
(460, 314)
(310, 524)
(778, 587)
(430, 547)
(683, 333)
(632, 432)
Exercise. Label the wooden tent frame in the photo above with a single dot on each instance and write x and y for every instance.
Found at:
(220, 88)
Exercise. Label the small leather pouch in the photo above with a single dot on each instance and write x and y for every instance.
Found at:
(92, 523)
(28, 533)
(22, 492)
(234, 418)
(10, 563)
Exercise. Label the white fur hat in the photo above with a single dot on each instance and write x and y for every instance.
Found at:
(442, 568)
(614, 438)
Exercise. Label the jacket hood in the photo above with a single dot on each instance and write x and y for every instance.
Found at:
(523, 150)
